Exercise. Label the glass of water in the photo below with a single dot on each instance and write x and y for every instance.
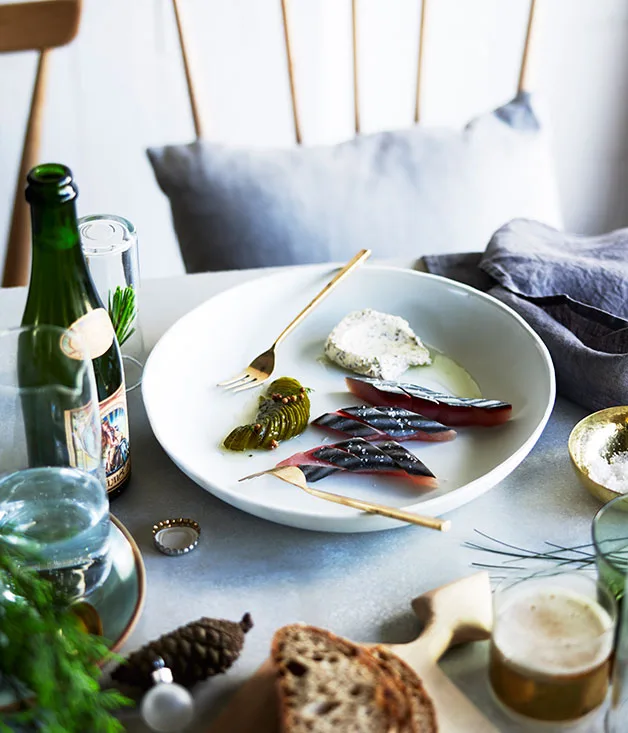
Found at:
(52, 481)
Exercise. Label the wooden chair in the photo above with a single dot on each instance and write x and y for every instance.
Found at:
(200, 126)
(39, 25)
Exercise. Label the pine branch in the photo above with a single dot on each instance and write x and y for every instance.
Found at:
(46, 658)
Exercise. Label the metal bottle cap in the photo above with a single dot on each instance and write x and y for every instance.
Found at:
(176, 536)
(105, 234)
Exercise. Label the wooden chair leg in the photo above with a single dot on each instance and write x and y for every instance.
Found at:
(17, 260)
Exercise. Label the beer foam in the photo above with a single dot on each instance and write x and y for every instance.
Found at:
(553, 631)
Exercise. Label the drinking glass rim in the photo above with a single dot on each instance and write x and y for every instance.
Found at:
(116, 249)
(600, 588)
(597, 542)
(83, 364)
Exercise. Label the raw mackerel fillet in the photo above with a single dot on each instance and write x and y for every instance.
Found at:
(384, 423)
(359, 456)
(450, 410)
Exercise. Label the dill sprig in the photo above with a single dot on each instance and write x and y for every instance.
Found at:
(47, 660)
(557, 553)
(575, 557)
(123, 312)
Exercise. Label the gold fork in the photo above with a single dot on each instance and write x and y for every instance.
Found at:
(260, 369)
(295, 476)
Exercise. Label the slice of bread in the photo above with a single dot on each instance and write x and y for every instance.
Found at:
(328, 684)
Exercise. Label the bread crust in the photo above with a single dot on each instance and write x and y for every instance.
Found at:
(422, 710)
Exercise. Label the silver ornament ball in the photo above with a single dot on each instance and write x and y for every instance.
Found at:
(167, 708)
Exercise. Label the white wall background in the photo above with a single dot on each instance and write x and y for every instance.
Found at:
(120, 88)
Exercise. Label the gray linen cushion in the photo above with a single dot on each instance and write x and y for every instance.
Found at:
(402, 193)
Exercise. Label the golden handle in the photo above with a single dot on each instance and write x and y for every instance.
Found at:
(295, 476)
(351, 265)
(442, 525)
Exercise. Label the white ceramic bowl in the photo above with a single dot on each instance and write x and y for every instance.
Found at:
(190, 415)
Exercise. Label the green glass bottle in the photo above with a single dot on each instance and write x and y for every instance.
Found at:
(62, 293)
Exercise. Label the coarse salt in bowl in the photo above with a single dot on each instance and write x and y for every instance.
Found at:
(612, 473)
(598, 446)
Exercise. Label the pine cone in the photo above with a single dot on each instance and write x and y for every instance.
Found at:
(193, 652)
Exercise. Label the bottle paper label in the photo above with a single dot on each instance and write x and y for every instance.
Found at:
(86, 449)
(83, 441)
(95, 331)
(115, 438)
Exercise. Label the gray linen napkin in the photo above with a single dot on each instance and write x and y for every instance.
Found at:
(573, 291)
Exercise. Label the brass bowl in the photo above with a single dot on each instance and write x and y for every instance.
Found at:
(603, 433)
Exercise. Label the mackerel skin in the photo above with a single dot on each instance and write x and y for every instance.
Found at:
(408, 462)
(314, 473)
(370, 460)
(338, 422)
(450, 410)
(358, 456)
(399, 423)
(383, 423)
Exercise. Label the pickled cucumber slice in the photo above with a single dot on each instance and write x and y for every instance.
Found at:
(282, 413)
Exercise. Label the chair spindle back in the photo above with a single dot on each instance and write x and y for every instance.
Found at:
(523, 82)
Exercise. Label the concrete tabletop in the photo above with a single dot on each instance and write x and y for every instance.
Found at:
(357, 585)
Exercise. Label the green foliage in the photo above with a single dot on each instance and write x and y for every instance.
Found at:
(46, 658)
(123, 312)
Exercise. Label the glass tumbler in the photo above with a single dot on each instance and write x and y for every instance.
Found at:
(617, 715)
(110, 246)
(551, 646)
(52, 480)
(610, 540)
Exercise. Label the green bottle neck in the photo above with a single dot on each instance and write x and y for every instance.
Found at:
(61, 289)
(54, 226)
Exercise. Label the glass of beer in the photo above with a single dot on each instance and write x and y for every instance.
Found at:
(551, 646)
